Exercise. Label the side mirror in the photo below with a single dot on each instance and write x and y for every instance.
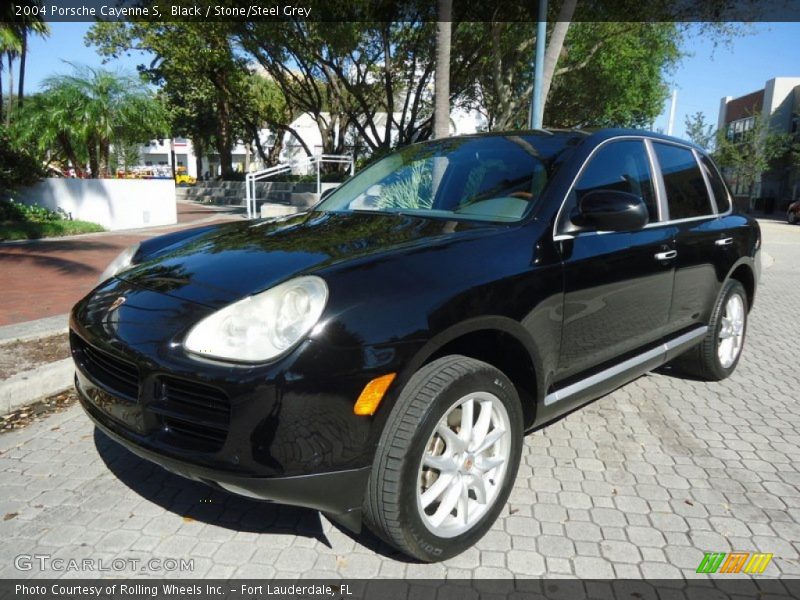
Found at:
(326, 193)
(612, 210)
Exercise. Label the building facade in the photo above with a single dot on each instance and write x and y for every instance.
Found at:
(778, 104)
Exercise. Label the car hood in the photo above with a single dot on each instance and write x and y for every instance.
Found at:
(217, 265)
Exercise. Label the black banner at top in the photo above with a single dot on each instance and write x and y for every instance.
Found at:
(398, 10)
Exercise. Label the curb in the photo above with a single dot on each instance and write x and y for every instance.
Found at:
(30, 386)
(34, 330)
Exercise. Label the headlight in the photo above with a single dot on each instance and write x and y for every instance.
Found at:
(119, 264)
(263, 326)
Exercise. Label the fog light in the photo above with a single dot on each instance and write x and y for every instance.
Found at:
(372, 394)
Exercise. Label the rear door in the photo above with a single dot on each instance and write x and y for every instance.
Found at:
(700, 234)
(617, 285)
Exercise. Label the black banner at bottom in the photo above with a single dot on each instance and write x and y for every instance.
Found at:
(739, 588)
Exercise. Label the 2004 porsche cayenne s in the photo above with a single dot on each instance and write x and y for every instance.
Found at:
(379, 357)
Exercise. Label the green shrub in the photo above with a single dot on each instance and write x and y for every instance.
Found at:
(33, 213)
(17, 167)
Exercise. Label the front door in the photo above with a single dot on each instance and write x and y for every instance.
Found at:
(617, 285)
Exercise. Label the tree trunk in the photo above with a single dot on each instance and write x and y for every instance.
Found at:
(69, 151)
(555, 45)
(1, 91)
(198, 158)
(105, 149)
(225, 158)
(224, 139)
(441, 85)
(22, 55)
(94, 162)
(10, 89)
(274, 155)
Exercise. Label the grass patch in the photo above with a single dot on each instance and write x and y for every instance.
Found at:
(28, 230)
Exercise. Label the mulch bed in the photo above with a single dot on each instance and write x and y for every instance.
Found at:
(17, 357)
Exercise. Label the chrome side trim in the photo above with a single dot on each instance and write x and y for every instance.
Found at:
(626, 365)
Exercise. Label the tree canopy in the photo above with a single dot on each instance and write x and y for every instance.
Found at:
(368, 85)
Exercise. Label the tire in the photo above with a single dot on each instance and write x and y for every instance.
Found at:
(791, 218)
(393, 504)
(709, 360)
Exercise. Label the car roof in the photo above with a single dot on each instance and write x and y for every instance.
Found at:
(591, 135)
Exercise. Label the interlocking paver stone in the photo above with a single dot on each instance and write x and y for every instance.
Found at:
(642, 482)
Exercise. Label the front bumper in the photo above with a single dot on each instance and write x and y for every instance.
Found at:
(338, 494)
(284, 432)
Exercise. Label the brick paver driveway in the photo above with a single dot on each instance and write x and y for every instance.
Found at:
(43, 278)
(640, 483)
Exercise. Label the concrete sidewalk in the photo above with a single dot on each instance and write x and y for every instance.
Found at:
(43, 278)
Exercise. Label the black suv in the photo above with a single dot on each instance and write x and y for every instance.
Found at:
(380, 357)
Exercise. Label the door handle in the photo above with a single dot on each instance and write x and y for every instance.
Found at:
(724, 241)
(668, 255)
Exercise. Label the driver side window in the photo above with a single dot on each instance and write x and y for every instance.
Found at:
(621, 166)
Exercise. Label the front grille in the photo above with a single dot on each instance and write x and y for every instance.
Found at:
(114, 373)
(193, 413)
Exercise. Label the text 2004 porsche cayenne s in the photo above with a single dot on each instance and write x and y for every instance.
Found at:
(379, 357)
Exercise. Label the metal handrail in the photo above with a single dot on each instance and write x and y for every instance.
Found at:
(250, 184)
(317, 160)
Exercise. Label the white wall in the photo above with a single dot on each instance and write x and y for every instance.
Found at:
(113, 203)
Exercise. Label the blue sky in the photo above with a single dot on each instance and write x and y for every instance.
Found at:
(702, 78)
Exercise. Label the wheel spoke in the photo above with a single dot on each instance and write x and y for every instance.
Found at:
(463, 505)
(482, 424)
(443, 464)
(437, 489)
(487, 463)
(450, 437)
(449, 501)
(467, 420)
(479, 485)
(490, 440)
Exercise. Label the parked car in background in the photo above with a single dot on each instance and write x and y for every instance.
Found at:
(380, 357)
(793, 213)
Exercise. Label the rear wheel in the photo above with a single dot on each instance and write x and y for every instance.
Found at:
(791, 217)
(717, 356)
(447, 459)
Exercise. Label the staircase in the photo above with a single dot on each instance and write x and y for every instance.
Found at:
(221, 193)
(273, 198)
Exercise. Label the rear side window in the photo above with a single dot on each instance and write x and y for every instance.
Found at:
(621, 166)
(687, 194)
(717, 186)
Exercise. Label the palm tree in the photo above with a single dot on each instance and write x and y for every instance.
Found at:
(81, 115)
(14, 33)
(34, 25)
(10, 44)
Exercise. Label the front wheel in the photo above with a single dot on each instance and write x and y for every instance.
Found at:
(447, 459)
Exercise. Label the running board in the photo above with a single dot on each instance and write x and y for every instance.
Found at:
(628, 365)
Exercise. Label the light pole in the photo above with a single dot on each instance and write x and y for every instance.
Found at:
(538, 68)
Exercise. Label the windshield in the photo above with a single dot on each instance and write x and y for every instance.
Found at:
(493, 178)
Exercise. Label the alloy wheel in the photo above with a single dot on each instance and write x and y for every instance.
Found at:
(731, 333)
(464, 464)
